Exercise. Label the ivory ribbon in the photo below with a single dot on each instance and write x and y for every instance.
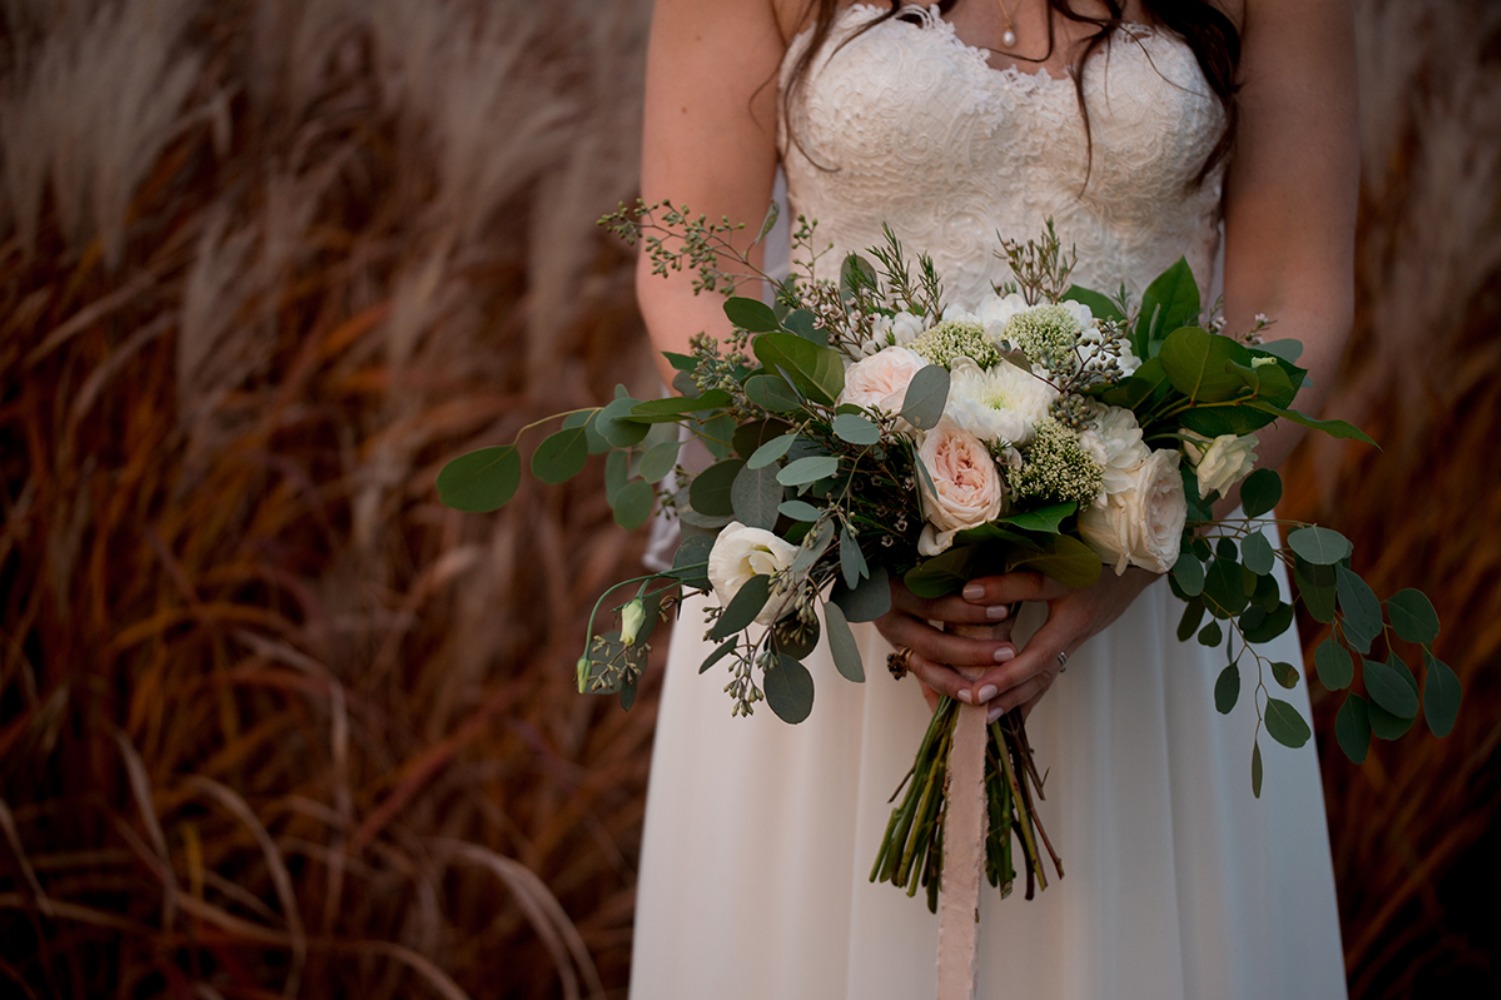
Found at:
(964, 838)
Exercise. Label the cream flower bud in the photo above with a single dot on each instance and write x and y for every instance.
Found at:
(632, 617)
(1222, 462)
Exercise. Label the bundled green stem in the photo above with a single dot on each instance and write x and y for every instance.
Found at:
(911, 851)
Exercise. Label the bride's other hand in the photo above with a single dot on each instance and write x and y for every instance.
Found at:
(1015, 677)
(1073, 616)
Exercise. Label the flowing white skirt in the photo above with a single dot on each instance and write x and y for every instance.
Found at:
(760, 836)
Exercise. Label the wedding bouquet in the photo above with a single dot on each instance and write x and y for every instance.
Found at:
(866, 429)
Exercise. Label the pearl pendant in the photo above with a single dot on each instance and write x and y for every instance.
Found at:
(1008, 39)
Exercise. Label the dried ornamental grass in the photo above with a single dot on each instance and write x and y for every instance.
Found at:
(262, 728)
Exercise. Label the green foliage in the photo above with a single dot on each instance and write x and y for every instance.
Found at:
(1412, 616)
(789, 690)
(1260, 492)
(1441, 695)
(922, 406)
(633, 504)
(755, 496)
(1352, 728)
(1170, 302)
(1227, 689)
(808, 470)
(561, 456)
(712, 491)
(855, 429)
(482, 480)
(1335, 665)
(817, 373)
(842, 644)
(866, 602)
(743, 608)
(1285, 724)
(751, 314)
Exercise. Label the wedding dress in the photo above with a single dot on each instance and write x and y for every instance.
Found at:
(759, 836)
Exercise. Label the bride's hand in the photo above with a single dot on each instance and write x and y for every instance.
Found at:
(1014, 678)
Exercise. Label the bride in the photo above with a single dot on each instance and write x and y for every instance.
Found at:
(1144, 129)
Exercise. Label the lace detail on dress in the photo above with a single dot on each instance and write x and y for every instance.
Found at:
(909, 125)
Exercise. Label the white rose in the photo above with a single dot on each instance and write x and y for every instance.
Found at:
(1113, 438)
(1000, 406)
(741, 552)
(880, 381)
(965, 490)
(1221, 463)
(1143, 524)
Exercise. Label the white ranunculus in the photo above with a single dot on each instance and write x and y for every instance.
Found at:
(999, 406)
(966, 488)
(1222, 462)
(1113, 438)
(880, 381)
(741, 552)
(1142, 525)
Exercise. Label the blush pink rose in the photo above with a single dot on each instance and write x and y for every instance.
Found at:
(966, 489)
(880, 381)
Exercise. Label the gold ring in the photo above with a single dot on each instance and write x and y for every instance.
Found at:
(898, 661)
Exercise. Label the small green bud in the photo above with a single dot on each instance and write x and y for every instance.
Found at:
(582, 673)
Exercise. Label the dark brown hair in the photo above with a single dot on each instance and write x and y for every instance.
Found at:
(1211, 35)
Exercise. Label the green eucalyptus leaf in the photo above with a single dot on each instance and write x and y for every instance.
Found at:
(1412, 616)
(1285, 724)
(805, 325)
(1272, 625)
(1316, 588)
(1335, 665)
(751, 314)
(1223, 592)
(1360, 612)
(808, 470)
(1287, 349)
(1256, 554)
(482, 480)
(800, 510)
(1188, 574)
(1385, 725)
(922, 406)
(1145, 384)
(1256, 769)
(1261, 491)
(633, 504)
(755, 496)
(1193, 615)
(1352, 728)
(1441, 695)
(866, 602)
(1211, 635)
(851, 560)
(1227, 689)
(711, 492)
(1286, 674)
(856, 272)
(690, 561)
(561, 456)
(856, 430)
(789, 690)
(743, 608)
(842, 644)
(617, 473)
(770, 452)
(1320, 546)
(1389, 689)
(1213, 421)
(814, 544)
(614, 424)
(659, 460)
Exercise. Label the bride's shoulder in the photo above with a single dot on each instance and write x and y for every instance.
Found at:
(796, 16)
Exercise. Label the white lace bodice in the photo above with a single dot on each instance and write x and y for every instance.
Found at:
(908, 125)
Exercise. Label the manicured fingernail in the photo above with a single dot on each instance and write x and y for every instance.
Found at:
(965, 696)
(1005, 653)
(996, 711)
(987, 692)
(997, 612)
(974, 592)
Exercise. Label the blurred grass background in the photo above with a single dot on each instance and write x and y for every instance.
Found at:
(275, 723)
